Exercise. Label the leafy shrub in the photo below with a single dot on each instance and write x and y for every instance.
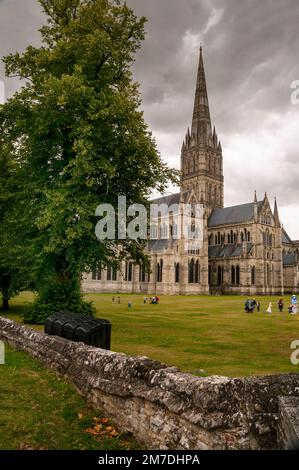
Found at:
(55, 299)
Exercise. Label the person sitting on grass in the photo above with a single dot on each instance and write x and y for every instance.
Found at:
(249, 306)
(253, 305)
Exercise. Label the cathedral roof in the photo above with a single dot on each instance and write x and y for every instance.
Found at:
(169, 200)
(233, 215)
(289, 259)
(285, 238)
(228, 250)
(159, 245)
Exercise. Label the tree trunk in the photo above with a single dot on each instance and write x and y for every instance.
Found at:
(5, 301)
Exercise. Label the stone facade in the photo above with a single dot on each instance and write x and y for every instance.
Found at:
(245, 249)
(288, 418)
(163, 407)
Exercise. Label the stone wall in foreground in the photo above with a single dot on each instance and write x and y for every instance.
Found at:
(288, 428)
(163, 407)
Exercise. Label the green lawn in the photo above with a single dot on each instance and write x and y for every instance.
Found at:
(198, 332)
(41, 411)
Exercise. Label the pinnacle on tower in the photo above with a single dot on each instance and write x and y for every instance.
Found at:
(276, 214)
(201, 122)
(255, 208)
(215, 138)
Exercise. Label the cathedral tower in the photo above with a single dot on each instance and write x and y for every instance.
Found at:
(201, 158)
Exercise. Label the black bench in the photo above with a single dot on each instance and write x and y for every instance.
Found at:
(93, 331)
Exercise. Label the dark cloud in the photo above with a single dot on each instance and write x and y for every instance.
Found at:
(250, 55)
(250, 52)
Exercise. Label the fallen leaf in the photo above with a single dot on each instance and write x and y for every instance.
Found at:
(91, 431)
(98, 427)
(104, 420)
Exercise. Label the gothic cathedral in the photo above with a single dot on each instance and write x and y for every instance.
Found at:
(245, 248)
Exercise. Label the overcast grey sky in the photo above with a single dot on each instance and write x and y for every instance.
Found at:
(251, 50)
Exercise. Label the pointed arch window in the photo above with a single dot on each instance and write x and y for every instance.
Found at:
(97, 274)
(191, 271)
(160, 271)
(111, 273)
(194, 272)
(233, 275)
(129, 271)
(177, 272)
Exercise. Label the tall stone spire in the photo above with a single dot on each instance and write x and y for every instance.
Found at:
(201, 122)
(201, 156)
